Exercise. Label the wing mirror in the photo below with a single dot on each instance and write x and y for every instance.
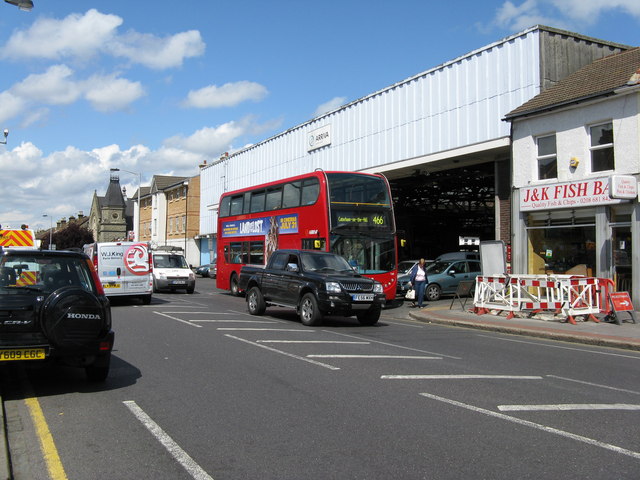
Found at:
(292, 267)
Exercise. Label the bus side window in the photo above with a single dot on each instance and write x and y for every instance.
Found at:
(274, 198)
(224, 208)
(291, 195)
(257, 202)
(236, 205)
(310, 191)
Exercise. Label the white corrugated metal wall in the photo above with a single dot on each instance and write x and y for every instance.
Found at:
(456, 104)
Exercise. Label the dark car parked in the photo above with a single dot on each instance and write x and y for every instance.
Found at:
(53, 309)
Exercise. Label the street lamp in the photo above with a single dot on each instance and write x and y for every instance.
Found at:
(137, 229)
(24, 5)
(6, 134)
(50, 229)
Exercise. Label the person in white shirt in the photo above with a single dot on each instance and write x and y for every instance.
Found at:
(419, 280)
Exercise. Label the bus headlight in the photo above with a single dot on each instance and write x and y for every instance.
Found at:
(377, 287)
(333, 287)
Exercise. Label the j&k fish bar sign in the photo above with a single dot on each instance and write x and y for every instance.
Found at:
(595, 191)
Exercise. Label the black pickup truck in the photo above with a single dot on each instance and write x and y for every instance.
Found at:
(315, 284)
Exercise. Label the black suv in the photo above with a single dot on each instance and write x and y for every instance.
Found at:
(53, 308)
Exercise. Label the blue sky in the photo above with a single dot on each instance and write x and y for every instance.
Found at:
(158, 87)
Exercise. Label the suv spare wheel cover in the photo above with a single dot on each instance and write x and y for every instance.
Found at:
(72, 316)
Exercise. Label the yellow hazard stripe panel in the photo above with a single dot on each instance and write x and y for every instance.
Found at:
(27, 278)
(16, 238)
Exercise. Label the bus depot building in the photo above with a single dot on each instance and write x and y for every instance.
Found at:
(439, 137)
(576, 159)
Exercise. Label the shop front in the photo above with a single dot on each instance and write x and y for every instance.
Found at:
(578, 228)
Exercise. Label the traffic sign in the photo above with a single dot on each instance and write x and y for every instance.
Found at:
(621, 302)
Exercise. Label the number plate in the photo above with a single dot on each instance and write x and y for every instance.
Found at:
(22, 354)
(178, 282)
(111, 285)
(362, 297)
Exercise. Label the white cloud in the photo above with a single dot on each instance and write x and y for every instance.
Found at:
(330, 105)
(74, 36)
(110, 93)
(589, 10)
(570, 14)
(10, 106)
(93, 33)
(54, 87)
(228, 95)
(209, 140)
(158, 53)
(62, 183)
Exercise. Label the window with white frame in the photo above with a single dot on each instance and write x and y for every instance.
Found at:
(184, 223)
(547, 157)
(601, 148)
(171, 225)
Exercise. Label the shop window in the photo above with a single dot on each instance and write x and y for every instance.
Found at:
(547, 157)
(562, 243)
(602, 147)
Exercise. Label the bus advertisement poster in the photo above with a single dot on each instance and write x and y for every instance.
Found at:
(260, 226)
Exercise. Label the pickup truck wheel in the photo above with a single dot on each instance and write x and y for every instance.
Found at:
(310, 314)
(369, 317)
(255, 302)
(234, 285)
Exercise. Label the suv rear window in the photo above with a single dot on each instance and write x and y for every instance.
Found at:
(44, 273)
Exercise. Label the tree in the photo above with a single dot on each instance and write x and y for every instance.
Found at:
(73, 236)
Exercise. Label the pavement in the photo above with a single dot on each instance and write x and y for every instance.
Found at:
(604, 333)
(460, 314)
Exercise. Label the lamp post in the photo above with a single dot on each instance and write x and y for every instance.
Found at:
(137, 228)
(50, 229)
(6, 134)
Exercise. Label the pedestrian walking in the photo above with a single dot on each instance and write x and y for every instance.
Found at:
(419, 280)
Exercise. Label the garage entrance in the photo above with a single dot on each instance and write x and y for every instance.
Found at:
(433, 209)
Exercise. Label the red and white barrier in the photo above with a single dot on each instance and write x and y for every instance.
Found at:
(567, 295)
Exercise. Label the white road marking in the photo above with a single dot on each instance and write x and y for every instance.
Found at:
(297, 357)
(178, 319)
(314, 341)
(204, 313)
(207, 320)
(393, 345)
(594, 384)
(172, 447)
(265, 329)
(544, 428)
(460, 377)
(541, 344)
(411, 357)
(568, 406)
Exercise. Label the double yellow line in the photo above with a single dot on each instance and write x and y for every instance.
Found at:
(47, 445)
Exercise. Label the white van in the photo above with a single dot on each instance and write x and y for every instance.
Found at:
(125, 268)
(172, 272)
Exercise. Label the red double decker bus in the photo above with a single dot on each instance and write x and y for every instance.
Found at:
(347, 213)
